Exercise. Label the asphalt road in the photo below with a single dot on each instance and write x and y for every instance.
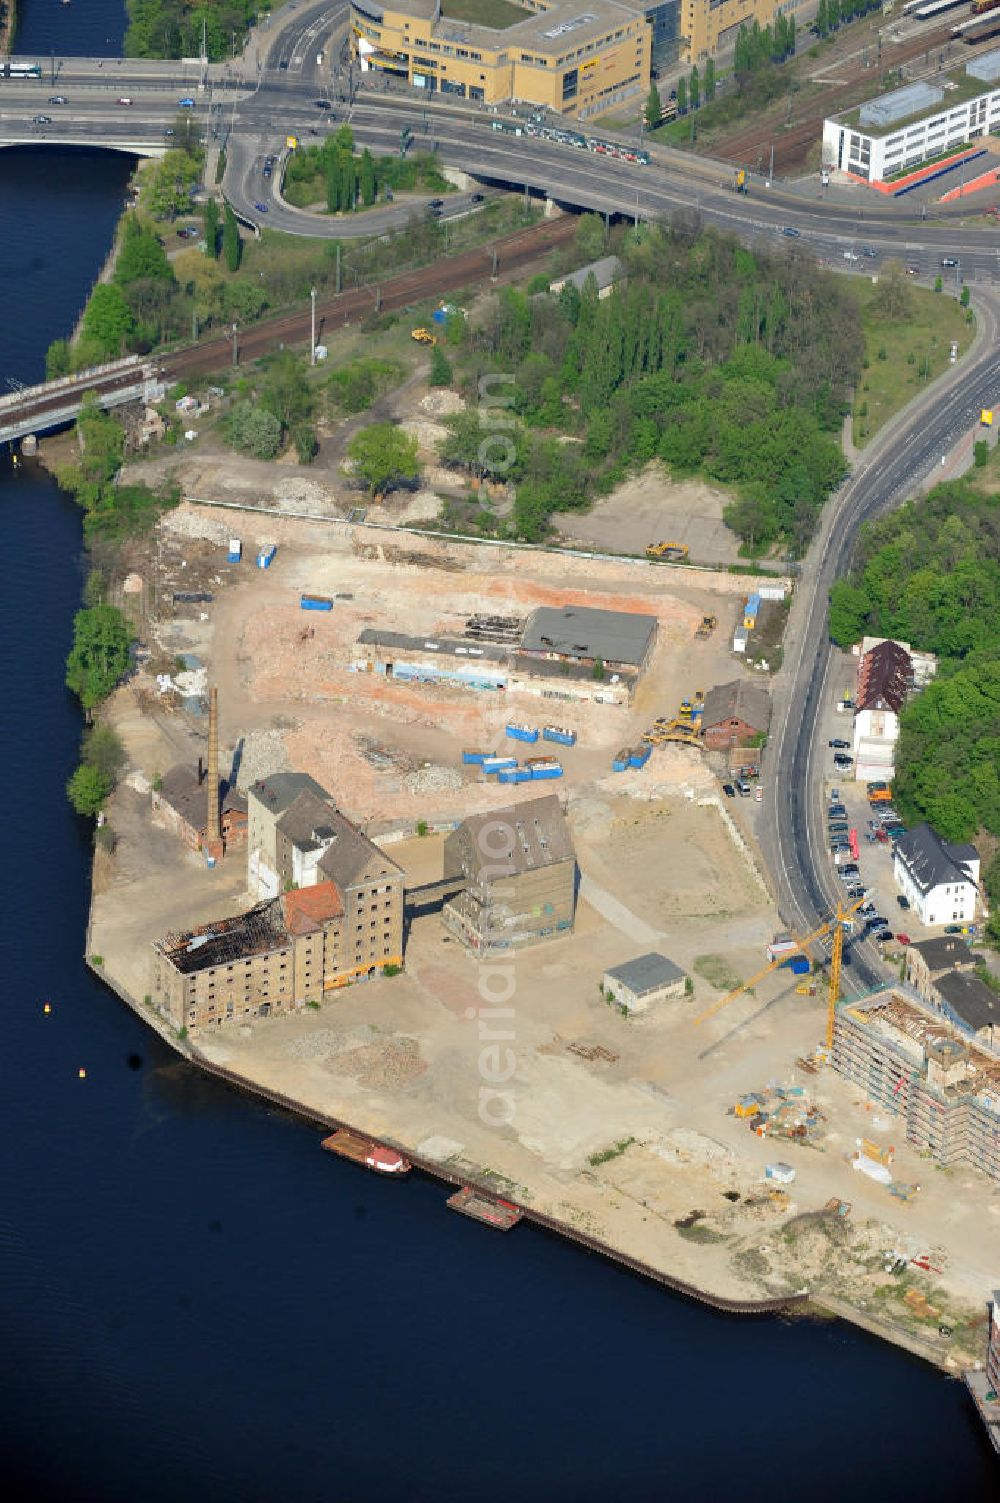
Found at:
(792, 830)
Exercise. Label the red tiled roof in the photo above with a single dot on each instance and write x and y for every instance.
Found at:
(308, 908)
(883, 677)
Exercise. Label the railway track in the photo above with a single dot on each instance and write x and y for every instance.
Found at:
(793, 139)
(514, 252)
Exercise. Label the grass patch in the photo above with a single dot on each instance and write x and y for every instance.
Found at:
(717, 972)
(904, 352)
(699, 1233)
(499, 14)
(605, 1154)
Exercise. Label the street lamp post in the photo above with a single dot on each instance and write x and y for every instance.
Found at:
(312, 342)
(235, 349)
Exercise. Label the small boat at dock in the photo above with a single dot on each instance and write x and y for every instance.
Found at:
(374, 1156)
(499, 1214)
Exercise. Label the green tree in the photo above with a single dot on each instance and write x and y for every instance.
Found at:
(285, 391)
(382, 455)
(980, 454)
(57, 359)
(232, 248)
(107, 320)
(440, 367)
(849, 608)
(210, 224)
(103, 748)
(99, 657)
(88, 789)
(254, 430)
(367, 178)
(141, 256)
(654, 109)
(709, 80)
(694, 87)
(682, 96)
(171, 184)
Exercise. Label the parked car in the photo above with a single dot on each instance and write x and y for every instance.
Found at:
(842, 760)
(913, 271)
(436, 203)
(729, 790)
(870, 252)
(836, 811)
(903, 902)
(838, 743)
(953, 929)
(743, 788)
(854, 893)
(322, 104)
(903, 939)
(791, 232)
(883, 937)
(477, 198)
(848, 872)
(261, 208)
(839, 826)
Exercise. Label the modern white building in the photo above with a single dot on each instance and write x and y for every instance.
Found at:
(900, 131)
(940, 880)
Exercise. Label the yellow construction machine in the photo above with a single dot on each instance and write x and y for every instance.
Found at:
(707, 627)
(667, 552)
(423, 336)
(680, 731)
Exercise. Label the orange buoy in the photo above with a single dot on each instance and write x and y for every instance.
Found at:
(47, 1007)
(82, 1073)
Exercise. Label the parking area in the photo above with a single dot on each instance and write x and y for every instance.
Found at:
(848, 808)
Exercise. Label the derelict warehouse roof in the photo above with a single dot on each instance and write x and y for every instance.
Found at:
(647, 973)
(529, 835)
(581, 631)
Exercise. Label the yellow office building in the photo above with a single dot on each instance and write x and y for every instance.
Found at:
(709, 27)
(580, 57)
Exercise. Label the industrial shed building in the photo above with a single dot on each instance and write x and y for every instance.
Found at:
(735, 714)
(638, 983)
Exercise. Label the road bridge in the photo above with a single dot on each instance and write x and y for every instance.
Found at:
(36, 409)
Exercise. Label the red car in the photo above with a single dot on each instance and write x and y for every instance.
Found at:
(902, 939)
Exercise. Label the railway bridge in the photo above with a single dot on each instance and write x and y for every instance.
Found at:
(51, 404)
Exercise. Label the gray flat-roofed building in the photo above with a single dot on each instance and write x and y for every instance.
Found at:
(900, 104)
(638, 983)
(585, 634)
(985, 68)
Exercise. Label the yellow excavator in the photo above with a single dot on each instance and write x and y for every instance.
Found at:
(667, 552)
(423, 336)
(707, 627)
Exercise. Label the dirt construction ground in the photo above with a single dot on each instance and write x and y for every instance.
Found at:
(650, 508)
(392, 750)
(619, 1126)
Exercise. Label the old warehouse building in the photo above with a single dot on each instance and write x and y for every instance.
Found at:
(520, 867)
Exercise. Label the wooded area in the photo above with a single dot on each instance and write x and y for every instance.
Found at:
(930, 575)
(717, 361)
(173, 28)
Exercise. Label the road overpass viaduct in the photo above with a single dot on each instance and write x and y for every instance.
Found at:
(36, 409)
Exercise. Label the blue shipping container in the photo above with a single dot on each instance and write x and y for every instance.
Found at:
(235, 550)
(640, 756)
(797, 964)
(507, 775)
(265, 557)
(620, 763)
(494, 764)
(316, 603)
(522, 733)
(474, 758)
(557, 733)
(546, 772)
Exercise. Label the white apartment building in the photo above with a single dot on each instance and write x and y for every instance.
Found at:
(940, 880)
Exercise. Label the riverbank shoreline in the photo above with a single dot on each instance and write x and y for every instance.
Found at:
(803, 1304)
(8, 26)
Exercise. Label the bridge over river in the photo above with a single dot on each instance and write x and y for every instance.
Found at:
(35, 409)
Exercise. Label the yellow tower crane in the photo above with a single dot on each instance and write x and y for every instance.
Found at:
(837, 922)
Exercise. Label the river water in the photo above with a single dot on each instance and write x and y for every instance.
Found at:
(195, 1302)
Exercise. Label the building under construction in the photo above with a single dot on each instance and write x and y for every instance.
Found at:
(910, 1061)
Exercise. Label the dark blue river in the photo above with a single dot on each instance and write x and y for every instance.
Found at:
(195, 1302)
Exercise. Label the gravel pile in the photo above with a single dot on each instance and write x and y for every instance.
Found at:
(263, 753)
(186, 523)
(433, 780)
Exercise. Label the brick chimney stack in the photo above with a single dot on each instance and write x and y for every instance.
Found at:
(213, 832)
